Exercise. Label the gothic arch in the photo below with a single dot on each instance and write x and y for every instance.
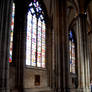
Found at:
(72, 12)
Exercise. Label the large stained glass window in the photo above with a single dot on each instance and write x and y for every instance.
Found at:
(11, 34)
(72, 52)
(35, 40)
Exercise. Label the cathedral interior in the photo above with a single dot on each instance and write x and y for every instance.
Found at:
(45, 45)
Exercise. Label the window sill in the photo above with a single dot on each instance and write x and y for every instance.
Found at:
(35, 68)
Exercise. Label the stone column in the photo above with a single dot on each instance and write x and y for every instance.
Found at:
(19, 42)
(4, 44)
(83, 54)
(64, 49)
(90, 55)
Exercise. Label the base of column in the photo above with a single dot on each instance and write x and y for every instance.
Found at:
(77, 90)
(4, 90)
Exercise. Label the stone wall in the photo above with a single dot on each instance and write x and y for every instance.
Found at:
(29, 78)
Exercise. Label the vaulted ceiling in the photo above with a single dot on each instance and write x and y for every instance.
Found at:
(90, 11)
(83, 4)
(86, 5)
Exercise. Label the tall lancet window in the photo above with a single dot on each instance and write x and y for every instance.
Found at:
(11, 34)
(35, 40)
(72, 52)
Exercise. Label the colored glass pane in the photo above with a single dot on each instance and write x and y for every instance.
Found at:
(72, 53)
(29, 30)
(39, 44)
(34, 41)
(32, 10)
(11, 35)
(43, 44)
(41, 16)
(30, 4)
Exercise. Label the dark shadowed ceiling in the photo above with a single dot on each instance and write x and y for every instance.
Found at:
(83, 4)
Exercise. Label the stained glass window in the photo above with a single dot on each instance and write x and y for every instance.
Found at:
(72, 52)
(11, 34)
(35, 40)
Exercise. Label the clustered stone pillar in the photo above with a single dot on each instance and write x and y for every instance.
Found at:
(83, 55)
(4, 44)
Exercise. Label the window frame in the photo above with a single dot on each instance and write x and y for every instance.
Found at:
(30, 66)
